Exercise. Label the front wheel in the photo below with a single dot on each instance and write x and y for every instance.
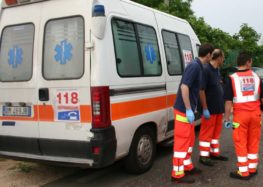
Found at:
(142, 151)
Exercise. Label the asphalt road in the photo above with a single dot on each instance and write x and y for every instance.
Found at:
(160, 174)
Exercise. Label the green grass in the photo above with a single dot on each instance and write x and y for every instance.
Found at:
(22, 167)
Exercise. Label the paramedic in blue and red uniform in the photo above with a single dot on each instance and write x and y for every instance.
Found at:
(213, 106)
(184, 107)
(243, 93)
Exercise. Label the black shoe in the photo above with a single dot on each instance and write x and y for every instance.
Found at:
(253, 174)
(185, 179)
(194, 171)
(219, 157)
(236, 175)
(206, 161)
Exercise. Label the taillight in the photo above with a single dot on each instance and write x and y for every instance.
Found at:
(10, 2)
(100, 99)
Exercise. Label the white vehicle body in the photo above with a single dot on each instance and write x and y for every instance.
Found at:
(79, 79)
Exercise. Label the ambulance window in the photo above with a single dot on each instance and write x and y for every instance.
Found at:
(172, 52)
(150, 50)
(186, 48)
(63, 56)
(127, 54)
(16, 55)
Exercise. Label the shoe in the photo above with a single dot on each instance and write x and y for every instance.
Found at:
(185, 179)
(219, 157)
(194, 171)
(236, 175)
(253, 174)
(206, 161)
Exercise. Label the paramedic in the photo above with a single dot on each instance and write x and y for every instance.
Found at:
(243, 92)
(211, 124)
(184, 107)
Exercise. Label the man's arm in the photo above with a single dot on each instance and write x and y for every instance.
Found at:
(228, 107)
(203, 99)
(185, 95)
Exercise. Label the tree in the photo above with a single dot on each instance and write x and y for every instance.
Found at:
(149, 3)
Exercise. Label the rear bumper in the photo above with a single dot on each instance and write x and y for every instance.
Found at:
(64, 151)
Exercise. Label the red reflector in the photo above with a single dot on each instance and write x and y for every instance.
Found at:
(10, 2)
(96, 150)
(100, 99)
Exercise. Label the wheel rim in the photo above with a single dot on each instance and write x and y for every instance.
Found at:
(144, 149)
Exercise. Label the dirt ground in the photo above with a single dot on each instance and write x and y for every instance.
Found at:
(26, 174)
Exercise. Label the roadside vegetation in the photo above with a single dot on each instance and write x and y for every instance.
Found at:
(246, 39)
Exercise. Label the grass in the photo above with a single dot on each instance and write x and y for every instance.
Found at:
(22, 167)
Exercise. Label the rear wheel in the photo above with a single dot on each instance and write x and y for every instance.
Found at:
(142, 151)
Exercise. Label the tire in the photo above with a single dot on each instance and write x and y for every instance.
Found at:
(142, 151)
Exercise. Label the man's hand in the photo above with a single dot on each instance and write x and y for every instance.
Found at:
(206, 113)
(228, 124)
(190, 115)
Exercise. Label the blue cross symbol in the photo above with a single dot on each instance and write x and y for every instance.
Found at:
(150, 53)
(63, 52)
(15, 56)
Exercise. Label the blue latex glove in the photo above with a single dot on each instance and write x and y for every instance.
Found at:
(206, 113)
(190, 115)
(228, 124)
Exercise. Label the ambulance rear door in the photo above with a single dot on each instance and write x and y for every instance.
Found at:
(64, 81)
(19, 130)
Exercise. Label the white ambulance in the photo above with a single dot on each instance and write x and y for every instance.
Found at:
(89, 82)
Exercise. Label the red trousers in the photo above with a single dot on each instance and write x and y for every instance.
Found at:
(209, 135)
(184, 137)
(246, 138)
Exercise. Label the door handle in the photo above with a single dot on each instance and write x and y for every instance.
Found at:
(43, 94)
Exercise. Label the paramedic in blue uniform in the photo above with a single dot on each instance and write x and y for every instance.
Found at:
(211, 122)
(184, 108)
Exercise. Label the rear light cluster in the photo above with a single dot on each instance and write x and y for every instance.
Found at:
(19, 2)
(100, 99)
(10, 2)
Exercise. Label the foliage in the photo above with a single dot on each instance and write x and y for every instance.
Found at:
(246, 39)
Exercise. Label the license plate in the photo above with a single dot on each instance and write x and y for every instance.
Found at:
(16, 111)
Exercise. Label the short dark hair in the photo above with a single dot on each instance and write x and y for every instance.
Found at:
(205, 49)
(217, 53)
(243, 57)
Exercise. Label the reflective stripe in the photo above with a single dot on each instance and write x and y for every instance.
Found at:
(181, 118)
(243, 169)
(214, 150)
(204, 144)
(252, 165)
(180, 154)
(204, 153)
(242, 159)
(244, 99)
(235, 125)
(252, 156)
(187, 162)
(214, 141)
(178, 168)
(179, 172)
(190, 150)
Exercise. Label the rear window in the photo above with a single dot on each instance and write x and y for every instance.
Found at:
(16, 54)
(64, 49)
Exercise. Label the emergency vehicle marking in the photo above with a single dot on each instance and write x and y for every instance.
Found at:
(188, 57)
(67, 105)
(63, 52)
(119, 110)
(15, 56)
(247, 83)
(150, 53)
